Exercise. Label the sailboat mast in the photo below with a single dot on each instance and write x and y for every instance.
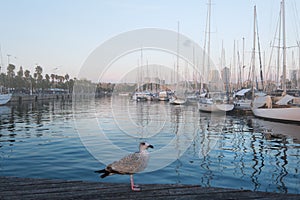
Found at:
(233, 71)
(253, 51)
(284, 48)
(138, 76)
(260, 62)
(278, 53)
(177, 62)
(142, 71)
(208, 42)
(194, 71)
(242, 77)
(298, 76)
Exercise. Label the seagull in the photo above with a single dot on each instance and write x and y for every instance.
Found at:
(130, 164)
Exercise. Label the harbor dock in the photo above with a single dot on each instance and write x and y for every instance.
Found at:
(19, 98)
(28, 188)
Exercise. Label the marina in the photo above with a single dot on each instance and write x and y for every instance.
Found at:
(95, 111)
(20, 98)
(50, 139)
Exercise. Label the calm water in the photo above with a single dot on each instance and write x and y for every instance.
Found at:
(69, 140)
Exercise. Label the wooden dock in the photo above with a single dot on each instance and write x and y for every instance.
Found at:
(12, 188)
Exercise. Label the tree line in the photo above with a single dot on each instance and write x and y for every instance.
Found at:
(23, 81)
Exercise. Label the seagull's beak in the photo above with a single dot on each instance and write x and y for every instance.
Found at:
(150, 146)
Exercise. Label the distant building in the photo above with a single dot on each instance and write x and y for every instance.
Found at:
(215, 83)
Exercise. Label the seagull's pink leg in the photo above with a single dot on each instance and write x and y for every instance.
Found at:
(134, 187)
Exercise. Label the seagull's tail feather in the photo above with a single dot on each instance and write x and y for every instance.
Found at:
(103, 172)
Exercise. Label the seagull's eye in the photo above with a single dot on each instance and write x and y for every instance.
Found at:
(143, 143)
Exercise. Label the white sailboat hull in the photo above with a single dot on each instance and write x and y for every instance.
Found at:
(284, 114)
(142, 96)
(205, 107)
(225, 107)
(243, 104)
(177, 101)
(163, 96)
(5, 98)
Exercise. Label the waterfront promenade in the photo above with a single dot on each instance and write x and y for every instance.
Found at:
(19, 98)
(27, 188)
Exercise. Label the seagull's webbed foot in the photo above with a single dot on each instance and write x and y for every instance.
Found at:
(134, 187)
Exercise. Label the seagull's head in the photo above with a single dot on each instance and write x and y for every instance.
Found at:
(145, 145)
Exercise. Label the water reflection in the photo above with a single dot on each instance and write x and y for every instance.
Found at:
(28, 120)
(210, 150)
(245, 155)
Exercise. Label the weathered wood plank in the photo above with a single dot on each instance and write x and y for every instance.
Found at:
(12, 188)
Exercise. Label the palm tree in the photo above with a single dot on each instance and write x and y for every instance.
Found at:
(10, 70)
(47, 81)
(28, 79)
(38, 75)
(67, 82)
(10, 74)
(18, 80)
(52, 81)
(27, 74)
(20, 73)
(38, 70)
(61, 79)
(67, 77)
(47, 77)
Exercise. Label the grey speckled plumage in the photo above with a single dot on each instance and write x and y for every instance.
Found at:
(130, 164)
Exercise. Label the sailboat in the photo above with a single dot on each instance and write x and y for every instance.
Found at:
(140, 94)
(210, 102)
(243, 99)
(5, 98)
(177, 101)
(214, 105)
(163, 96)
(282, 110)
(179, 98)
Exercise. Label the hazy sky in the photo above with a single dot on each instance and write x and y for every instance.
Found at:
(59, 35)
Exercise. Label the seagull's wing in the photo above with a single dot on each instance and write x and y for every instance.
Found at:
(130, 164)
